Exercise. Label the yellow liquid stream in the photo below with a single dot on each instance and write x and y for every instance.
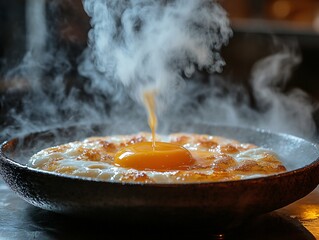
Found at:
(159, 156)
(149, 100)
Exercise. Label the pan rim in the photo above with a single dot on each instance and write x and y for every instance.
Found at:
(251, 180)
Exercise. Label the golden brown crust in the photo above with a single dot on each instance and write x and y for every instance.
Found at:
(217, 159)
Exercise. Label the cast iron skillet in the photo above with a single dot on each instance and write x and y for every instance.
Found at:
(220, 204)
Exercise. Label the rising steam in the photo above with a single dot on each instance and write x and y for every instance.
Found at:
(135, 45)
(276, 109)
(153, 44)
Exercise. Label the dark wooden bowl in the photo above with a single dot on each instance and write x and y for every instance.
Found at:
(222, 205)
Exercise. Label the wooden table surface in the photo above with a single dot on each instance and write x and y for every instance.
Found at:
(20, 220)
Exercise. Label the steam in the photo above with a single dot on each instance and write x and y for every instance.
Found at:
(276, 109)
(153, 44)
(136, 45)
(282, 111)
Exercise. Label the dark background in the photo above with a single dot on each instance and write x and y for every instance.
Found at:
(255, 23)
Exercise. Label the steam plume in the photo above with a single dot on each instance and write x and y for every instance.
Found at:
(164, 44)
(153, 44)
(276, 109)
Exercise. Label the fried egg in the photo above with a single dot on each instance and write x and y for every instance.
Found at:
(173, 158)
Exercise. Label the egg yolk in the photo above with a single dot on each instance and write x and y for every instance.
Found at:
(161, 157)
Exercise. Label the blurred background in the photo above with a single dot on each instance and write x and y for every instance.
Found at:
(260, 28)
(255, 23)
(297, 15)
(294, 15)
(259, 23)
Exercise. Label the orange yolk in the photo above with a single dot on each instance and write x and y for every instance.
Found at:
(161, 157)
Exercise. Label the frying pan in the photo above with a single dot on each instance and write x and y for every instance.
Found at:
(222, 205)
